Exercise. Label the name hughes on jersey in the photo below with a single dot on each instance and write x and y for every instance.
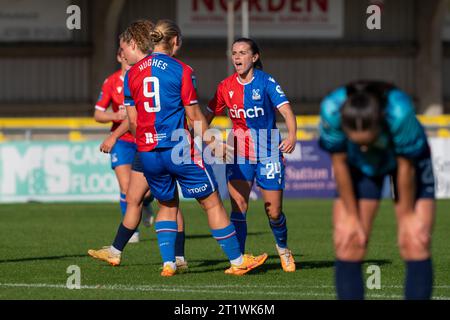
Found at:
(153, 63)
(254, 112)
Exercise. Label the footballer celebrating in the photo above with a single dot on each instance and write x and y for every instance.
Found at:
(120, 144)
(159, 95)
(253, 98)
(137, 187)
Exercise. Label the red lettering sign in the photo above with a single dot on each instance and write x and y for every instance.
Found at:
(263, 5)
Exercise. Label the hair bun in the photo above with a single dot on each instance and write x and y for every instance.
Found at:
(156, 36)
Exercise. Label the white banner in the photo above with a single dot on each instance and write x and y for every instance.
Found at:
(268, 18)
(33, 20)
(440, 149)
(77, 171)
(55, 171)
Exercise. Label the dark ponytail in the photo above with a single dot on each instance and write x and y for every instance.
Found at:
(255, 50)
(364, 108)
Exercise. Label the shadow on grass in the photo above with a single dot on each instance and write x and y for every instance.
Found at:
(270, 264)
(305, 265)
(44, 258)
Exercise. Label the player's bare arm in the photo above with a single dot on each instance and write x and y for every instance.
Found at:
(132, 120)
(406, 185)
(105, 117)
(350, 224)
(220, 149)
(288, 144)
(344, 183)
(209, 116)
(111, 140)
(195, 115)
(411, 226)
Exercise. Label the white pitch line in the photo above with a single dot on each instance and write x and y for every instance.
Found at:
(202, 289)
(293, 286)
(158, 289)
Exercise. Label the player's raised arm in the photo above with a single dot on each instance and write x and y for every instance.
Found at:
(217, 104)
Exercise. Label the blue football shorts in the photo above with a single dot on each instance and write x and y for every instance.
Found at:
(122, 153)
(162, 174)
(269, 173)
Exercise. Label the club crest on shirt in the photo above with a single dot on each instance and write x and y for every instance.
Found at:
(256, 95)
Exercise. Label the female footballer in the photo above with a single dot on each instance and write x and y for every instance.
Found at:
(253, 97)
(159, 94)
(120, 143)
(371, 131)
(138, 190)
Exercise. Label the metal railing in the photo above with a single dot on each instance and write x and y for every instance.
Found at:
(78, 129)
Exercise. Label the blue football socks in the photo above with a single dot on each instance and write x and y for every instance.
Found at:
(349, 280)
(239, 221)
(419, 280)
(228, 241)
(166, 232)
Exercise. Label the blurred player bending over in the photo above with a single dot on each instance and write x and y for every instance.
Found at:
(138, 190)
(159, 94)
(371, 131)
(252, 98)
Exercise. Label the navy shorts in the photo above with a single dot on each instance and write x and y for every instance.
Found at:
(122, 153)
(162, 173)
(366, 187)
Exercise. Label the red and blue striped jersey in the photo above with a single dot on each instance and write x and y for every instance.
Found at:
(252, 109)
(112, 95)
(159, 86)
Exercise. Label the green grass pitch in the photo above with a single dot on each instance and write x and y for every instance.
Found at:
(38, 242)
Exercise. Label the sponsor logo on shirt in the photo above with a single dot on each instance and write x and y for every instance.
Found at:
(152, 138)
(254, 112)
(149, 138)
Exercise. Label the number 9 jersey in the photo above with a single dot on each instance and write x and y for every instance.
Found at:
(160, 113)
